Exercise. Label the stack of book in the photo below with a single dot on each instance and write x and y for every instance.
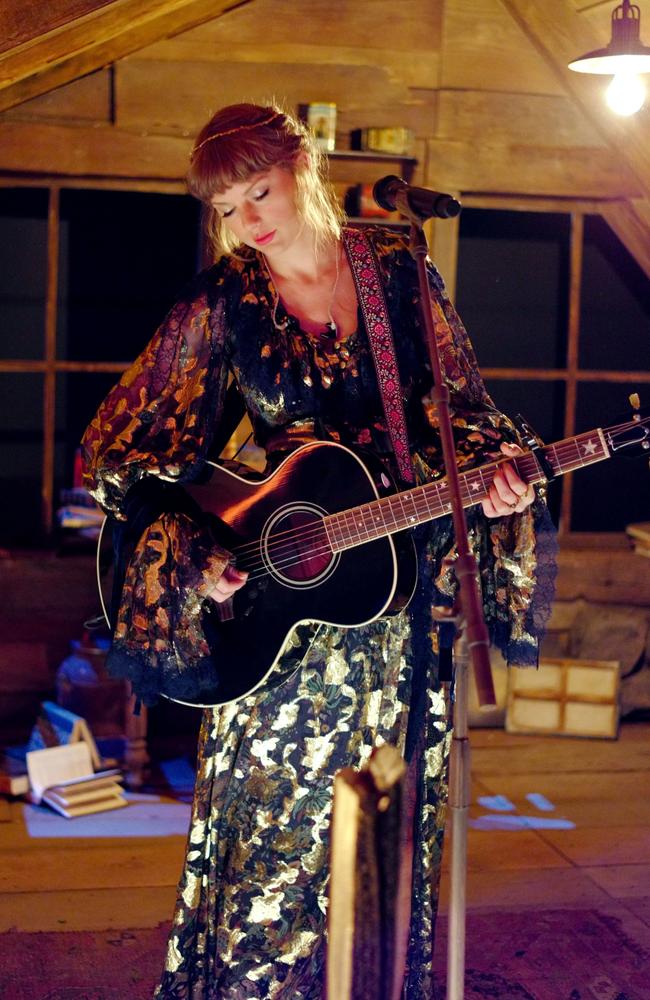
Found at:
(63, 778)
(13, 776)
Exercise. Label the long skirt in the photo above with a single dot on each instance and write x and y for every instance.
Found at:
(250, 919)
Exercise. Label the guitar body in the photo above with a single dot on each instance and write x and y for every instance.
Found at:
(275, 528)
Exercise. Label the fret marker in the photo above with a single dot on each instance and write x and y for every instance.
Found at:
(476, 486)
(590, 448)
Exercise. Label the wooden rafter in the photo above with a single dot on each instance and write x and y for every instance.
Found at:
(95, 40)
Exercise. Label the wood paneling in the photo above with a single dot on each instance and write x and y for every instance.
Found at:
(577, 173)
(84, 100)
(410, 26)
(85, 151)
(484, 49)
(365, 95)
(529, 119)
(96, 40)
(418, 69)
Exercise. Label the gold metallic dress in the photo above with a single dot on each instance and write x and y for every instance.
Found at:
(252, 899)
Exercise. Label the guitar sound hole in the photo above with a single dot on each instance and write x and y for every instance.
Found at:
(297, 548)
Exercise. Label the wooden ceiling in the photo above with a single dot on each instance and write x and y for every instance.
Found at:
(117, 88)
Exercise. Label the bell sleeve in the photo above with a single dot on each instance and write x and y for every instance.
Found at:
(156, 426)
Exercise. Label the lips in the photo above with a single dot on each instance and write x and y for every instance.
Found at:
(266, 238)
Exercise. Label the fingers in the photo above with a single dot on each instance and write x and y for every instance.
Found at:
(231, 581)
(508, 493)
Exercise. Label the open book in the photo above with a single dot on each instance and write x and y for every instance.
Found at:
(63, 777)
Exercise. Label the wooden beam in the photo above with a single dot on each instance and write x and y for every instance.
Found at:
(630, 221)
(95, 40)
(20, 21)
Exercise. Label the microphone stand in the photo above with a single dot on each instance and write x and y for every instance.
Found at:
(474, 640)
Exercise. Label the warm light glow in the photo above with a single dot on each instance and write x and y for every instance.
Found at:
(626, 93)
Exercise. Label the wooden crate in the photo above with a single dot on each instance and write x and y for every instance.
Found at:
(567, 697)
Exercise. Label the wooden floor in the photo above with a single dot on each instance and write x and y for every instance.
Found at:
(603, 857)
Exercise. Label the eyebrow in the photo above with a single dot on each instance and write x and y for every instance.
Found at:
(258, 178)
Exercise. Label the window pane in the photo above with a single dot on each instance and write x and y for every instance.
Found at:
(125, 256)
(616, 492)
(615, 303)
(541, 404)
(23, 272)
(512, 288)
(21, 456)
(78, 394)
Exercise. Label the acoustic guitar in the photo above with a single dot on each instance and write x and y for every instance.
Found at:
(325, 539)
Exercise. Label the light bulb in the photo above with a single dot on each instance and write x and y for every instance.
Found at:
(626, 93)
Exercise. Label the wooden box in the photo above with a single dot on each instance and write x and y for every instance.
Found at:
(566, 697)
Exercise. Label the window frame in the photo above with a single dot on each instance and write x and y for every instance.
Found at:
(572, 375)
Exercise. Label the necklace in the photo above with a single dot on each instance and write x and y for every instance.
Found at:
(330, 326)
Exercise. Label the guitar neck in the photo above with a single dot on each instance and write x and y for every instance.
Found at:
(420, 504)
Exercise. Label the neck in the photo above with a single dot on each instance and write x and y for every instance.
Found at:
(302, 261)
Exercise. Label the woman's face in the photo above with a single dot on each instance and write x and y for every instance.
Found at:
(261, 211)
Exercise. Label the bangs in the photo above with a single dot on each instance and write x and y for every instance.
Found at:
(229, 161)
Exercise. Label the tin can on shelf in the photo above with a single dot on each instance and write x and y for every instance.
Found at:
(321, 119)
(383, 140)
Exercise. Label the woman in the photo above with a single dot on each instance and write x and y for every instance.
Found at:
(279, 310)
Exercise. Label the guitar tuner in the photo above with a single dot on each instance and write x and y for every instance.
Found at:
(635, 403)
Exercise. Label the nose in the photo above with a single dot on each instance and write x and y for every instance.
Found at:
(251, 215)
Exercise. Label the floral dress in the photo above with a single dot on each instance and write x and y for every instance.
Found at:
(252, 899)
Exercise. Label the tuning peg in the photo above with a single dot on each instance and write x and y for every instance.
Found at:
(635, 403)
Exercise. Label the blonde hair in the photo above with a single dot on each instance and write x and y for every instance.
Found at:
(245, 139)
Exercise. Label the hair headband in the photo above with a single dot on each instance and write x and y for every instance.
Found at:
(231, 131)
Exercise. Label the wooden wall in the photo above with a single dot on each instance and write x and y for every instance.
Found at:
(483, 84)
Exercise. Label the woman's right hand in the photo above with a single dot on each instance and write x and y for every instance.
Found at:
(231, 580)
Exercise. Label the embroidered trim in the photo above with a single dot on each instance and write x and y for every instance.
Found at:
(365, 272)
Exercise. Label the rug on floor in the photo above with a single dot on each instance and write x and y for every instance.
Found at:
(552, 955)
(82, 965)
(521, 955)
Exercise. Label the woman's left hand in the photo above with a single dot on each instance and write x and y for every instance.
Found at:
(508, 494)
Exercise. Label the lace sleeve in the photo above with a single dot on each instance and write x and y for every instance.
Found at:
(158, 422)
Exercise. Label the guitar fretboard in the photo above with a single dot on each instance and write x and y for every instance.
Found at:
(426, 503)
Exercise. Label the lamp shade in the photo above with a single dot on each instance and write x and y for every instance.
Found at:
(625, 52)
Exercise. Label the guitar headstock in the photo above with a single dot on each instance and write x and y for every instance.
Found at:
(632, 435)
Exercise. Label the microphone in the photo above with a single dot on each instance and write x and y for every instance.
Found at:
(416, 203)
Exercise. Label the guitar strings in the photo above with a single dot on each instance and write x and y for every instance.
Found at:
(282, 546)
(414, 494)
(284, 554)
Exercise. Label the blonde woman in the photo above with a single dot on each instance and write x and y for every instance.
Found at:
(280, 311)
